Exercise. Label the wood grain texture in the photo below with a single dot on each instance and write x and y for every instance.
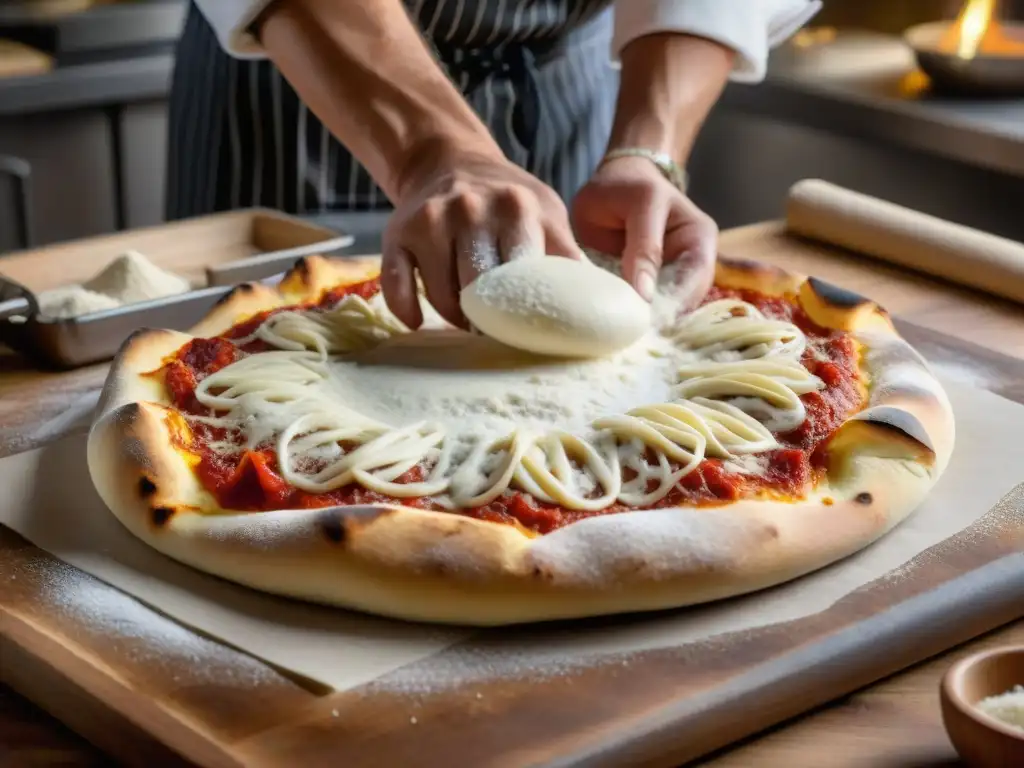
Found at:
(922, 300)
(894, 723)
(186, 247)
(31, 400)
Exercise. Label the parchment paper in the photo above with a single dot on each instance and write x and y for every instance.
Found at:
(58, 510)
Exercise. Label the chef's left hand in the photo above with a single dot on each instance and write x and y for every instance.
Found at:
(629, 208)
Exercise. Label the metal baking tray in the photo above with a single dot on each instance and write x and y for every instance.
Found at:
(264, 264)
(92, 338)
(181, 247)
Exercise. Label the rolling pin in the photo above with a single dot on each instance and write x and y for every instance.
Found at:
(822, 211)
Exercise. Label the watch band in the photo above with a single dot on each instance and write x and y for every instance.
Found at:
(668, 167)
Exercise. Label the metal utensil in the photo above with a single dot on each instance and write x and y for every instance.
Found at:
(20, 172)
(18, 307)
(265, 264)
(16, 301)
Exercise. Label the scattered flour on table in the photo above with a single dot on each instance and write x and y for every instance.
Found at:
(128, 279)
(972, 375)
(74, 415)
(143, 636)
(498, 659)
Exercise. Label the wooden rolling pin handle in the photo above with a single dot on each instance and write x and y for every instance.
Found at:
(822, 211)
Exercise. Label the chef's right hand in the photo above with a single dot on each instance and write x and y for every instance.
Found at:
(460, 215)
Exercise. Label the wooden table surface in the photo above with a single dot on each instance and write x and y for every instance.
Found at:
(892, 724)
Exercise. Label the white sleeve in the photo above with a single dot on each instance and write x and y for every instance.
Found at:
(749, 27)
(231, 19)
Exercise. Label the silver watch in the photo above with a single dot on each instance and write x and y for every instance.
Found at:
(668, 167)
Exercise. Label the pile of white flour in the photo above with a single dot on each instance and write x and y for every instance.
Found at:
(128, 279)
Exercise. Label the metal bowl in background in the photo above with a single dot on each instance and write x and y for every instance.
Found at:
(983, 75)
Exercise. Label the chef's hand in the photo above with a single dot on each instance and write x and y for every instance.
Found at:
(459, 216)
(629, 208)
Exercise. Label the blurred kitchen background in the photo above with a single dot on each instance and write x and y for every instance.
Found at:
(84, 84)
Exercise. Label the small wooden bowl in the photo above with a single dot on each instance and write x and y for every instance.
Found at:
(981, 740)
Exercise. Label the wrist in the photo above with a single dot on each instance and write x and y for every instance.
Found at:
(669, 83)
(436, 154)
(646, 129)
(656, 162)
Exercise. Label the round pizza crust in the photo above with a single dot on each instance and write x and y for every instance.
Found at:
(414, 564)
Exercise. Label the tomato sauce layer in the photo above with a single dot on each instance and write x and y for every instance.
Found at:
(251, 480)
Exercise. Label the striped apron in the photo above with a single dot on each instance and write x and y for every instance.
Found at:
(537, 72)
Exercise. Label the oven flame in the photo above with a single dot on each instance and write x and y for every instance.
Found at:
(977, 31)
(972, 25)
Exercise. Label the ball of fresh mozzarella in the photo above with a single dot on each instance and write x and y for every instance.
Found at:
(552, 305)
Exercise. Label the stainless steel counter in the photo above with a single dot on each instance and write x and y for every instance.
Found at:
(862, 86)
(121, 81)
(111, 54)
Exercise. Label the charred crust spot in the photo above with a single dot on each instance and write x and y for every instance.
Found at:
(332, 525)
(146, 487)
(540, 574)
(339, 524)
(742, 265)
(900, 423)
(835, 296)
(225, 298)
(242, 289)
(771, 531)
(749, 266)
(161, 515)
(864, 497)
(302, 269)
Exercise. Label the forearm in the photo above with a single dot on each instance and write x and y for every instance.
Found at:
(366, 73)
(669, 83)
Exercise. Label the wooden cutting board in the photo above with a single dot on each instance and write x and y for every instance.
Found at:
(162, 695)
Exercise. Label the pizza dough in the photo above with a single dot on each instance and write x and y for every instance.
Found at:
(391, 547)
(556, 306)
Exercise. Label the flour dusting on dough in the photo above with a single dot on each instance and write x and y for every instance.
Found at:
(556, 306)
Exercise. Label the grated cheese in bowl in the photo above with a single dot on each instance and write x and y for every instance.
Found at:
(1007, 707)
